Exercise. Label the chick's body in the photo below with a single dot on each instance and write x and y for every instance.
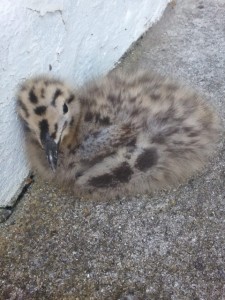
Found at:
(124, 134)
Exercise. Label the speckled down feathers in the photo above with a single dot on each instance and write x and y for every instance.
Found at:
(124, 134)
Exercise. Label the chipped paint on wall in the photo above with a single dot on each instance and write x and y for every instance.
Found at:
(48, 6)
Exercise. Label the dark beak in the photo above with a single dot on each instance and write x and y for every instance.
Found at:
(51, 150)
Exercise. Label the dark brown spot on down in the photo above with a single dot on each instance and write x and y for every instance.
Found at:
(40, 110)
(88, 116)
(58, 93)
(123, 173)
(102, 181)
(102, 120)
(70, 99)
(32, 97)
(147, 159)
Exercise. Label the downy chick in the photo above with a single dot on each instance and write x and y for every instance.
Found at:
(118, 135)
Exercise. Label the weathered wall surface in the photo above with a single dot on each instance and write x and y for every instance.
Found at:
(73, 39)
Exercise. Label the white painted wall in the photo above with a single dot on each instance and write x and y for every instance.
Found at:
(78, 38)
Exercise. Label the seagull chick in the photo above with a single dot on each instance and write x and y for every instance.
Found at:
(122, 134)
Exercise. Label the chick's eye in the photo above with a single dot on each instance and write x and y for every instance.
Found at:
(65, 108)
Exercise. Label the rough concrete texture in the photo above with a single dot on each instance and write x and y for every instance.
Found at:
(165, 246)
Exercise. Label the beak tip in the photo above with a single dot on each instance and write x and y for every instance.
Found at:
(52, 159)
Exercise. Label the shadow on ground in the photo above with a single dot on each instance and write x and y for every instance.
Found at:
(165, 246)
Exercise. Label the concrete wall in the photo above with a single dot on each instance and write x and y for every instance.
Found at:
(71, 38)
